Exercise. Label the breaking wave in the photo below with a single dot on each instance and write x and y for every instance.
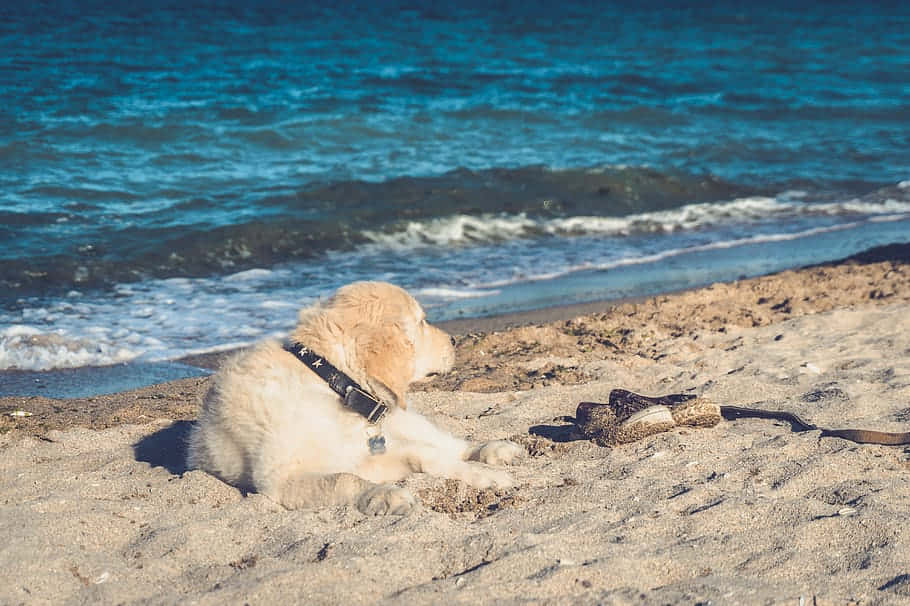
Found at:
(464, 230)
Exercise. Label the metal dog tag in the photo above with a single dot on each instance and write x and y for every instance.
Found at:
(376, 444)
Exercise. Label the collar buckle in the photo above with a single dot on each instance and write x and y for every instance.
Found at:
(365, 403)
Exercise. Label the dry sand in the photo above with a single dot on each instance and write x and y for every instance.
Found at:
(744, 513)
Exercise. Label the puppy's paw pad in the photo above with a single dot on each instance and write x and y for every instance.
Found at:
(497, 452)
(386, 499)
(482, 477)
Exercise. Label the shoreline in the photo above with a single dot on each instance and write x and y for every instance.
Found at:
(895, 253)
(520, 351)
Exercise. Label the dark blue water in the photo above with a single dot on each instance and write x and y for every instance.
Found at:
(159, 163)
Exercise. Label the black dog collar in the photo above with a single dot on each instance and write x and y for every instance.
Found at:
(354, 396)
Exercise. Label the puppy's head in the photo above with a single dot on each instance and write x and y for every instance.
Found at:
(381, 337)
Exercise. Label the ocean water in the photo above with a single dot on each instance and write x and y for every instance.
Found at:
(177, 179)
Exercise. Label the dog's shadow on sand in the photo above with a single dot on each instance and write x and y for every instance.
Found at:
(166, 447)
(556, 433)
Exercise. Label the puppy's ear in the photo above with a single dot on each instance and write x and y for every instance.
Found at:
(388, 362)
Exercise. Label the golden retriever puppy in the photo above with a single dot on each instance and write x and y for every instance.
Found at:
(268, 423)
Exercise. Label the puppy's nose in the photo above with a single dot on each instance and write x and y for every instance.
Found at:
(452, 341)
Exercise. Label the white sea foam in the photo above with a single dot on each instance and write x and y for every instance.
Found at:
(269, 304)
(888, 206)
(19, 330)
(453, 293)
(250, 274)
(460, 230)
(29, 348)
(152, 320)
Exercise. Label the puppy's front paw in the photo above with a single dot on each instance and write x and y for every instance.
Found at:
(386, 499)
(497, 452)
(484, 477)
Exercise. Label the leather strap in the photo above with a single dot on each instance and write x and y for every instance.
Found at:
(860, 436)
(353, 395)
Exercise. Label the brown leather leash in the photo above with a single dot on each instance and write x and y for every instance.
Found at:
(860, 436)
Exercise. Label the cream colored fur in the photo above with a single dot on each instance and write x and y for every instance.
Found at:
(271, 425)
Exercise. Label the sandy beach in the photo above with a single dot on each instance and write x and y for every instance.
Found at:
(98, 507)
